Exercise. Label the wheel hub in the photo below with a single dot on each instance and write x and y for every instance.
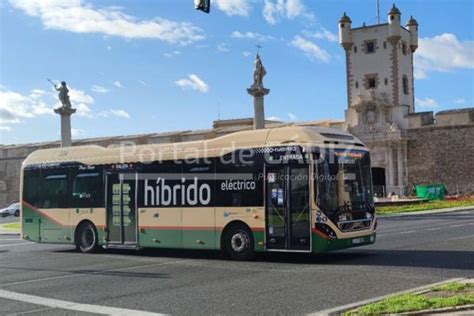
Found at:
(88, 237)
(240, 242)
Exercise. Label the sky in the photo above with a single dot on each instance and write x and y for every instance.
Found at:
(150, 66)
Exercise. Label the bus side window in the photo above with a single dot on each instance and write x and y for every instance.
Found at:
(31, 185)
(54, 191)
(86, 189)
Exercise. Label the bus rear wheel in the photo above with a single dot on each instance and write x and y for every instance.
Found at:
(87, 241)
(239, 243)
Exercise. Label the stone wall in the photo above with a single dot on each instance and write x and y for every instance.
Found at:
(442, 154)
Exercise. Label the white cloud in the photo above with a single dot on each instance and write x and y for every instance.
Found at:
(120, 113)
(15, 107)
(99, 89)
(459, 101)
(275, 10)
(234, 7)
(442, 53)
(193, 82)
(292, 117)
(81, 101)
(37, 93)
(80, 16)
(143, 83)
(114, 112)
(323, 33)
(274, 118)
(76, 132)
(118, 84)
(311, 50)
(426, 103)
(172, 54)
(251, 35)
(223, 48)
(246, 53)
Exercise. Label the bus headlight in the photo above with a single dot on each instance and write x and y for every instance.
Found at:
(326, 230)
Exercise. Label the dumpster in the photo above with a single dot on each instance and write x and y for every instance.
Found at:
(431, 191)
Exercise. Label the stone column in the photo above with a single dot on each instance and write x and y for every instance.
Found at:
(390, 170)
(400, 168)
(258, 94)
(65, 113)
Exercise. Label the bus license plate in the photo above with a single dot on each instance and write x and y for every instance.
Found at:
(357, 241)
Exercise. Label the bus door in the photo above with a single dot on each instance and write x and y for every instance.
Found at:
(287, 208)
(121, 208)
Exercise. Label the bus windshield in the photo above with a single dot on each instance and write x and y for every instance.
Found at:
(343, 181)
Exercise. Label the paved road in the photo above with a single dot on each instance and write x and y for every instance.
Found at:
(410, 252)
(8, 219)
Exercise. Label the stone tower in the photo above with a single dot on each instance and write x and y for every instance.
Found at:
(380, 90)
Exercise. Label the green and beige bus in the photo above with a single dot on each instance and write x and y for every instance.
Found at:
(287, 189)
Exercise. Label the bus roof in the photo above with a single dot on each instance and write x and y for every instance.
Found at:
(280, 136)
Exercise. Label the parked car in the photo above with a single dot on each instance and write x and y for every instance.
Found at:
(12, 209)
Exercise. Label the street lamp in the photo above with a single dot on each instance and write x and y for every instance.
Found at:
(203, 5)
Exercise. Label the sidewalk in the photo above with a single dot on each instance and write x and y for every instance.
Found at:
(436, 211)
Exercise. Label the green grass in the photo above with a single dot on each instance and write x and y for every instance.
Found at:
(11, 226)
(450, 295)
(411, 302)
(423, 206)
(454, 287)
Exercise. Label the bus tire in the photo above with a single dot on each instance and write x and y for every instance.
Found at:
(238, 243)
(87, 240)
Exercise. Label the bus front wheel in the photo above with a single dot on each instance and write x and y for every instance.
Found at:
(87, 241)
(239, 243)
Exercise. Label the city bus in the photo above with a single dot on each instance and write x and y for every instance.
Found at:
(287, 189)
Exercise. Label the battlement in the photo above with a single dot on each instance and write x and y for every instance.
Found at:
(443, 118)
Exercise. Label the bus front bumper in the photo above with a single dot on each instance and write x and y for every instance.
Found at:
(324, 244)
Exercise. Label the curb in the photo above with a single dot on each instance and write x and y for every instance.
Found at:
(450, 310)
(9, 232)
(428, 212)
(344, 308)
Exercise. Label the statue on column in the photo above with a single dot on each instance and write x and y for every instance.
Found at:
(65, 111)
(63, 94)
(258, 92)
(258, 73)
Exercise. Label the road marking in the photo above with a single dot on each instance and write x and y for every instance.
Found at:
(72, 306)
(17, 244)
(340, 309)
(462, 237)
(424, 229)
(97, 272)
